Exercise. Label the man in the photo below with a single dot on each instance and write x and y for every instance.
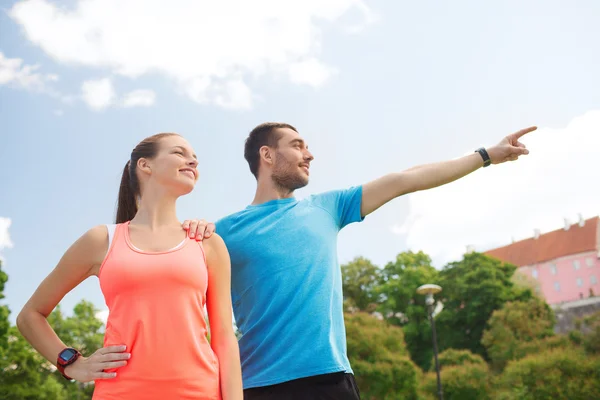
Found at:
(286, 279)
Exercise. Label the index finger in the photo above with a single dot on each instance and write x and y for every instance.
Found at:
(522, 132)
(112, 349)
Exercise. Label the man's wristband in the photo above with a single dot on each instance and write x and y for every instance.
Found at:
(486, 157)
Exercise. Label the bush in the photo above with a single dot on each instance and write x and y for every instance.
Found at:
(539, 346)
(470, 381)
(513, 326)
(454, 357)
(588, 330)
(379, 359)
(559, 374)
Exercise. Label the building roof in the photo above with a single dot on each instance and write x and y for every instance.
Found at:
(551, 245)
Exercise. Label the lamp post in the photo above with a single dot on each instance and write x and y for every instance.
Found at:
(429, 290)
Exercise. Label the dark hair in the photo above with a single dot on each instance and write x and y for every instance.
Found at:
(263, 135)
(130, 185)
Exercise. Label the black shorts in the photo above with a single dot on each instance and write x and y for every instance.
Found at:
(336, 386)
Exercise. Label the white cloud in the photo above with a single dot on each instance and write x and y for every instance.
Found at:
(559, 178)
(98, 94)
(213, 50)
(5, 242)
(139, 98)
(102, 316)
(14, 72)
(310, 72)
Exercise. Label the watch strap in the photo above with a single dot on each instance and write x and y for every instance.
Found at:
(61, 364)
(485, 156)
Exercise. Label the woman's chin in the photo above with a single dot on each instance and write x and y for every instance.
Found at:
(184, 189)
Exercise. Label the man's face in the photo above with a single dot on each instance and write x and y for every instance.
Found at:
(292, 160)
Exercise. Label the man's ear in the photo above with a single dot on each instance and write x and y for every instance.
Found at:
(266, 154)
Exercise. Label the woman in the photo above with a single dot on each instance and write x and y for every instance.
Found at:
(156, 282)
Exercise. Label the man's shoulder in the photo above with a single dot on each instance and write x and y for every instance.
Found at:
(225, 222)
(334, 194)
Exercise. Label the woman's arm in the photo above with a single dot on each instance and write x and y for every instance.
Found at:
(80, 261)
(218, 303)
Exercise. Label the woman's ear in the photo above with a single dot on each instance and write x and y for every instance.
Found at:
(143, 165)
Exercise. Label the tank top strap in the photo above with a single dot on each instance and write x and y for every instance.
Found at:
(111, 234)
(119, 234)
(115, 234)
(201, 246)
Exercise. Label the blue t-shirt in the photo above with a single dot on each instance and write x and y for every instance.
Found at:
(286, 285)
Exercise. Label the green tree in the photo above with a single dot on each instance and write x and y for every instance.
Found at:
(379, 359)
(588, 330)
(454, 357)
(560, 374)
(514, 325)
(360, 279)
(464, 376)
(402, 306)
(470, 381)
(4, 310)
(83, 331)
(473, 289)
(24, 374)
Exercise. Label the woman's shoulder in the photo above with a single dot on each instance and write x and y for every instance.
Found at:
(214, 247)
(95, 237)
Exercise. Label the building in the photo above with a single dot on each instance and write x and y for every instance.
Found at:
(565, 263)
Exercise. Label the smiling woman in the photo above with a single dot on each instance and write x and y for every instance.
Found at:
(169, 152)
(155, 344)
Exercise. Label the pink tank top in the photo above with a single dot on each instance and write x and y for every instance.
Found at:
(156, 308)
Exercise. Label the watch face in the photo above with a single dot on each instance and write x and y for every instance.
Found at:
(67, 354)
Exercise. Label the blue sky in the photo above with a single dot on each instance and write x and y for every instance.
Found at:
(373, 86)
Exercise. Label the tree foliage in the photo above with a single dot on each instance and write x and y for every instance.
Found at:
(379, 359)
(473, 289)
(360, 279)
(454, 357)
(559, 374)
(588, 330)
(469, 381)
(83, 331)
(402, 306)
(25, 374)
(512, 329)
(464, 376)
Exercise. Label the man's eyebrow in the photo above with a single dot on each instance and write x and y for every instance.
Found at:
(184, 150)
(297, 141)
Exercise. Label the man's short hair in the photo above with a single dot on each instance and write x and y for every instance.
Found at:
(263, 135)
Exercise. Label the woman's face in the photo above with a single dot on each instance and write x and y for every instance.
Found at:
(174, 166)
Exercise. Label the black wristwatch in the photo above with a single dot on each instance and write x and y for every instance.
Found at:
(486, 157)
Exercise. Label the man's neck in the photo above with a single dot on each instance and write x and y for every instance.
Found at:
(267, 190)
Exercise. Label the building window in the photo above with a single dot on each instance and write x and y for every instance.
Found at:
(576, 264)
(553, 269)
(534, 273)
(557, 286)
(579, 282)
(589, 261)
(593, 279)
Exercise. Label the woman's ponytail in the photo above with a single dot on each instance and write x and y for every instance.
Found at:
(127, 204)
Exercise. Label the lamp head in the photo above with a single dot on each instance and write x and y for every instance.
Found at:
(429, 288)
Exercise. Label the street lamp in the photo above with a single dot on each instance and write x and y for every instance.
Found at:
(429, 290)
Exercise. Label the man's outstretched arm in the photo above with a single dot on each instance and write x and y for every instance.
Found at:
(378, 192)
